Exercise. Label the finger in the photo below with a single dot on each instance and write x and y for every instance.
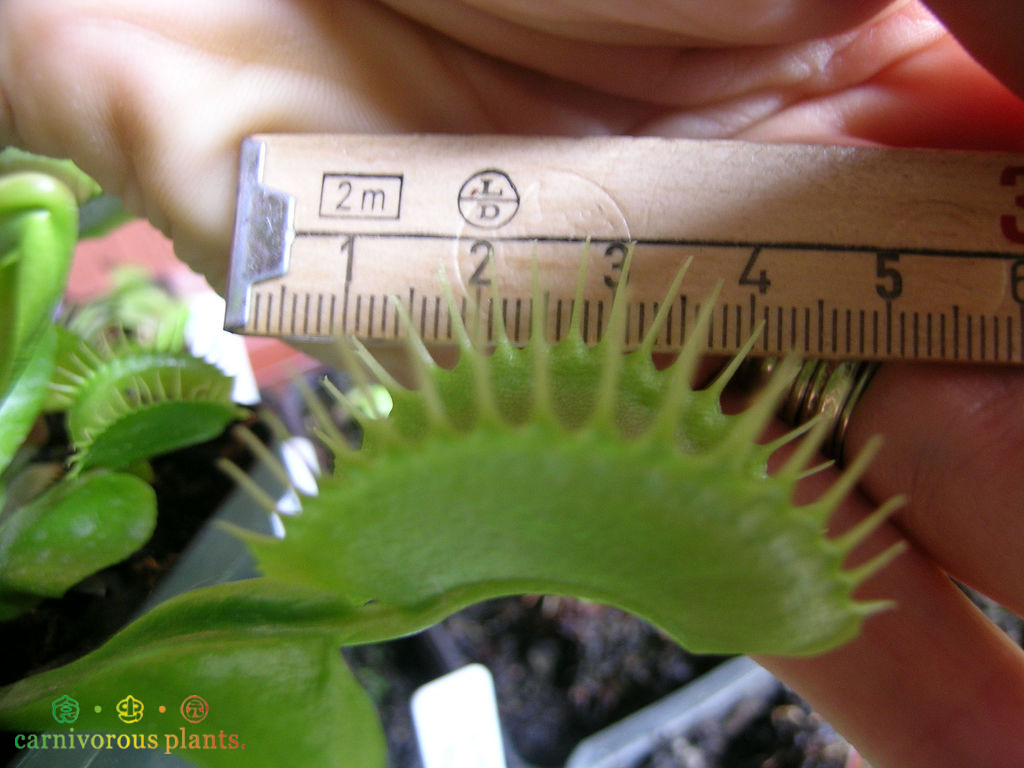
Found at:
(928, 683)
(990, 29)
(662, 22)
(954, 437)
(154, 98)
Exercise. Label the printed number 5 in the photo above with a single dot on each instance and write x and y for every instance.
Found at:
(885, 272)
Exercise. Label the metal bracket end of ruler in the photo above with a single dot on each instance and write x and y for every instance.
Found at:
(264, 230)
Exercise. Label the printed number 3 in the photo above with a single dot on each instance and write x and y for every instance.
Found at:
(1008, 222)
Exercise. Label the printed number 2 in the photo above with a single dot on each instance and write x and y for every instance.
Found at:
(484, 250)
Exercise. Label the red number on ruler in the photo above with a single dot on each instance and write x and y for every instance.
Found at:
(1008, 221)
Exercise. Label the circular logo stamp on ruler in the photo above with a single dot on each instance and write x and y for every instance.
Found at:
(488, 199)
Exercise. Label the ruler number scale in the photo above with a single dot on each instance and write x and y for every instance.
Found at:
(835, 252)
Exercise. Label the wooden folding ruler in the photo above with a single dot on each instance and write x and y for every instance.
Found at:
(834, 252)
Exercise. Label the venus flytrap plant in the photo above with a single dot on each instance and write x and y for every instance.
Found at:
(123, 403)
(554, 468)
(584, 471)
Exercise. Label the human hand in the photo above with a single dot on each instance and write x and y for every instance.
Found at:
(153, 98)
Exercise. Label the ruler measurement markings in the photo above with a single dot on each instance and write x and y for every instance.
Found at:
(862, 318)
(1009, 337)
(411, 321)
(682, 318)
(256, 310)
(874, 332)
(912, 337)
(1009, 340)
(281, 311)
(956, 332)
(984, 344)
(1020, 337)
(902, 334)
(821, 326)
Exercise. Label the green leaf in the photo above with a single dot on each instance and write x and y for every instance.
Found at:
(38, 227)
(263, 655)
(75, 528)
(137, 307)
(64, 383)
(80, 184)
(128, 404)
(23, 402)
(101, 215)
(581, 471)
(156, 429)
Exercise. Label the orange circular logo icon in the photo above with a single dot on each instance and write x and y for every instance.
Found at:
(194, 709)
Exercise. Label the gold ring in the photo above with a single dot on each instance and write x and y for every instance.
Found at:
(827, 389)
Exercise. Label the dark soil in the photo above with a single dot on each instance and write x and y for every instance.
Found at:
(565, 669)
(781, 733)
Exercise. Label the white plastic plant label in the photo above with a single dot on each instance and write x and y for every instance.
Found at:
(456, 718)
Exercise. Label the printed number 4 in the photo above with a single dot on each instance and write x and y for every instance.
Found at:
(761, 282)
